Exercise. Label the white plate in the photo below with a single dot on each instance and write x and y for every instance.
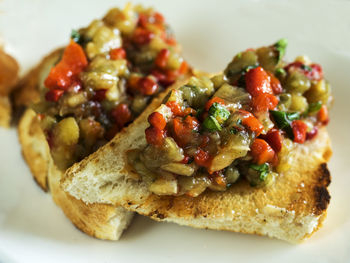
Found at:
(33, 229)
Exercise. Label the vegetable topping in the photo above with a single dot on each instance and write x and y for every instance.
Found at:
(106, 76)
(239, 124)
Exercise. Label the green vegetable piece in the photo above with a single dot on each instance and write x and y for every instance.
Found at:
(219, 112)
(281, 46)
(75, 36)
(263, 169)
(306, 67)
(314, 107)
(280, 72)
(233, 130)
(211, 124)
(284, 120)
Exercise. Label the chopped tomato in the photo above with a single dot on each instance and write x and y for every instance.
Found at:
(143, 20)
(257, 82)
(66, 71)
(162, 58)
(299, 131)
(274, 139)
(117, 53)
(175, 108)
(205, 141)
(212, 101)
(147, 86)
(262, 152)
(251, 123)
(142, 36)
(322, 115)
(275, 84)
(264, 102)
(121, 114)
(54, 95)
(171, 41)
(100, 95)
(154, 136)
(202, 158)
(157, 120)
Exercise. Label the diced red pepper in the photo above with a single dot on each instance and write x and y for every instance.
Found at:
(157, 120)
(183, 69)
(274, 139)
(257, 82)
(142, 36)
(121, 114)
(189, 111)
(299, 131)
(183, 129)
(154, 136)
(147, 86)
(186, 159)
(212, 101)
(275, 84)
(322, 115)
(191, 123)
(175, 108)
(64, 73)
(54, 95)
(202, 158)
(117, 53)
(262, 152)
(264, 102)
(162, 58)
(158, 18)
(251, 123)
(312, 134)
(100, 95)
(143, 20)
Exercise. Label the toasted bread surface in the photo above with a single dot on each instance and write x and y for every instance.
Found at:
(98, 220)
(8, 78)
(291, 209)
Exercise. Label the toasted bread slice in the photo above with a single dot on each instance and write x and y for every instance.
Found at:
(98, 220)
(8, 77)
(291, 209)
(101, 221)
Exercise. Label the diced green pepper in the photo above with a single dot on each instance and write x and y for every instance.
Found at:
(314, 107)
(281, 46)
(211, 124)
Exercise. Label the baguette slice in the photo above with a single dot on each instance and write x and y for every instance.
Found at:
(291, 209)
(98, 220)
(8, 78)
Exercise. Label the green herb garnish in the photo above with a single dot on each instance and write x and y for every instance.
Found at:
(263, 170)
(219, 112)
(306, 67)
(284, 119)
(211, 124)
(281, 46)
(233, 130)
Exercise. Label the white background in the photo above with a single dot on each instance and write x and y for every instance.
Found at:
(33, 229)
